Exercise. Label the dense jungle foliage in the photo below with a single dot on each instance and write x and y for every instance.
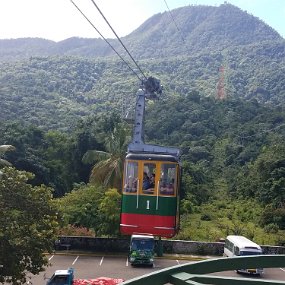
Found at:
(233, 164)
(52, 92)
(61, 101)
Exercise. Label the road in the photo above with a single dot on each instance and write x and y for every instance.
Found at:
(87, 267)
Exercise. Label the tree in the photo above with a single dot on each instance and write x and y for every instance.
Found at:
(91, 207)
(57, 154)
(28, 155)
(109, 212)
(84, 138)
(80, 206)
(196, 183)
(28, 224)
(108, 169)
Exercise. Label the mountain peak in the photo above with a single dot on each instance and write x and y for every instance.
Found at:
(184, 31)
(197, 27)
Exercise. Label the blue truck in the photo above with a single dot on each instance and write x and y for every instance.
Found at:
(62, 277)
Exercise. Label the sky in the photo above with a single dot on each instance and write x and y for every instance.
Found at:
(59, 19)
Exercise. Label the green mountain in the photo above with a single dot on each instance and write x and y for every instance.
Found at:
(78, 77)
(198, 29)
(186, 31)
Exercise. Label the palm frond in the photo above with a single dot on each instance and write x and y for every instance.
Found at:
(103, 163)
(92, 156)
(6, 147)
(99, 171)
(4, 162)
(109, 165)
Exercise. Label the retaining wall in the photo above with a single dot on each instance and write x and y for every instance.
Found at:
(121, 245)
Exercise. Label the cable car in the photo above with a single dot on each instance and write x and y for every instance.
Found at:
(150, 194)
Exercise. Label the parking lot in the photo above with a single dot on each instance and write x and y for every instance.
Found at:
(98, 266)
(88, 266)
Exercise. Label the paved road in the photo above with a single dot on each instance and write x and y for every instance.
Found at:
(118, 267)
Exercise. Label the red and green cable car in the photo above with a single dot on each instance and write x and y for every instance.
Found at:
(150, 207)
(150, 194)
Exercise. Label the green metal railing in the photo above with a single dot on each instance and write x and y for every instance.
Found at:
(196, 273)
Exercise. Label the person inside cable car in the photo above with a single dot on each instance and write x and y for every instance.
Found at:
(152, 181)
(170, 188)
(167, 188)
(146, 181)
(148, 184)
(131, 186)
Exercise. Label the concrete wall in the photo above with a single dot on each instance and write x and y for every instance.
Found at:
(121, 245)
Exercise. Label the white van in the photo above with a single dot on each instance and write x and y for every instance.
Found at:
(241, 246)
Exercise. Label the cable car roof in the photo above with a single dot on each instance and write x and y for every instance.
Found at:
(152, 156)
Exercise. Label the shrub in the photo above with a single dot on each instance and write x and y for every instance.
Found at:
(271, 228)
(206, 217)
(71, 230)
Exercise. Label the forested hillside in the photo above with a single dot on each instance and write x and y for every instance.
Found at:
(61, 100)
(70, 88)
(201, 29)
(232, 152)
(54, 82)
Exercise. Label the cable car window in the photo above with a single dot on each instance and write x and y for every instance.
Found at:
(148, 184)
(131, 177)
(236, 250)
(167, 179)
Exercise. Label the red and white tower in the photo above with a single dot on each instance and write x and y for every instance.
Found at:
(221, 94)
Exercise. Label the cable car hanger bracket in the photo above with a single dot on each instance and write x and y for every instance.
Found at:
(150, 89)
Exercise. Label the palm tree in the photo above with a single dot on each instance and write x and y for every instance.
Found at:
(3, 162)
(4, 148)
(108, 169)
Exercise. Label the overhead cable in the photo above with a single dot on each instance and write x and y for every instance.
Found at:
(174, 21)
(106, 40)
(118, 38)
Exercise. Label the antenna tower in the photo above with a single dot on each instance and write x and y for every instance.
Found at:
(221, 94)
